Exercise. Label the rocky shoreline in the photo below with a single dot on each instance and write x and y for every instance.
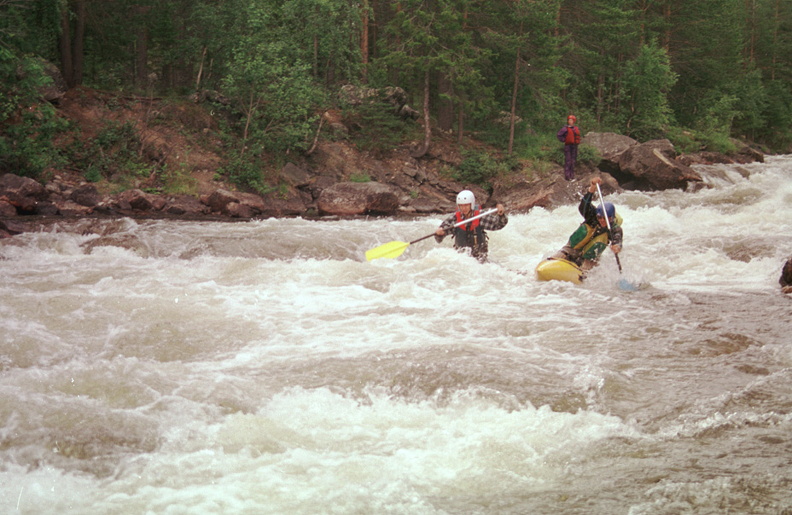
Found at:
(398, 186)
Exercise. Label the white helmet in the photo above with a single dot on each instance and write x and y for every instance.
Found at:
(466, 197)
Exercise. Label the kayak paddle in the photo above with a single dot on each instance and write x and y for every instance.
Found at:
(395, 249)
(624, 284)
(607, 222)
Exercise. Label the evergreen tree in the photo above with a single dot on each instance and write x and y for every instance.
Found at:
(427, 39)
(647, 80)
(524, 48)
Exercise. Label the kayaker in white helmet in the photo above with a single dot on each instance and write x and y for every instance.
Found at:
(472, 235)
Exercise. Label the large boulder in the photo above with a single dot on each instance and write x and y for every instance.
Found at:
(219, 200)
(277, 207)
(359, 198)
(8, 229)
(549, 191)
(237, 204)
(7, 209)
(15, 187)
(56, 89)
(653, 166)
(295, 176)
(72, 209)
(137, 200)
(185, 205)
(609, 146)
(786, 277)
(86, 195)
(26, 195)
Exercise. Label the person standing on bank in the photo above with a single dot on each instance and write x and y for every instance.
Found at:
(569, 135)
(471, 235)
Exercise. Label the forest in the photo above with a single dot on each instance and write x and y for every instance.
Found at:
(507, 71)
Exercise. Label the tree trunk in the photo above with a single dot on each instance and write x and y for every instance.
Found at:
(141, 57)
(315, 64)
(513, 114)
(427, 120)
(200, 70)
(460, 123)
(445, 108)
(600, 97)
(78, 54)
(364, 42)
(141, 47)
(774, 57)
(66, 48)
(750, 8)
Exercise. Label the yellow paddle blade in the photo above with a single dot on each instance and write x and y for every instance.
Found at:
(390, 250)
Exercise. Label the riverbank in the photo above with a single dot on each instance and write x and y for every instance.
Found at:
(335, 179)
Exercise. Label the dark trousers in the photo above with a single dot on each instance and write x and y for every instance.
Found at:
(570, 156)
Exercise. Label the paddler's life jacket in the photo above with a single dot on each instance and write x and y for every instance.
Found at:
(470, 234)
(572, 136)
(591, 241)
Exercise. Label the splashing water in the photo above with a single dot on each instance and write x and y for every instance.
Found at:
(267, 367)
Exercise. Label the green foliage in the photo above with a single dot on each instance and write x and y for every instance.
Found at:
(480, 168)
(714, 69)
(687, 140)
(706, 49)
(433, 40)
(588, 154)
(319, 31)
(603, 36)
(684, 140)
(751, 114)
(360, 177)
(246, 173)
(271, 85)
(178, 181)
(537, 146)
(93, 174)
(778, 115)
(718, 112)
(647, 80)
(28, 125)
(115, 153)
(718, 142)
(376, 127)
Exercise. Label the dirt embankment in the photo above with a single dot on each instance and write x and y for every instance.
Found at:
(180, 151)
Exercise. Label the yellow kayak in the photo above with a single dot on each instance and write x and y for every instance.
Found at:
(553, 269)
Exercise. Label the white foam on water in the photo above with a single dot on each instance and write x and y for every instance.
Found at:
(267, 367)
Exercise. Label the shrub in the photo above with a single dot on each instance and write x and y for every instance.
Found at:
(376, 127)
(246, 173)
(28, 126)
(115, 151)
(480, 167)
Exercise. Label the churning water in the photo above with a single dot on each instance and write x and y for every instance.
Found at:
(268, 368)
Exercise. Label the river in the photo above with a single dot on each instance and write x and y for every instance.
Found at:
(266, 367)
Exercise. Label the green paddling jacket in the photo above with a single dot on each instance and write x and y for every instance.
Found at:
(590, 238)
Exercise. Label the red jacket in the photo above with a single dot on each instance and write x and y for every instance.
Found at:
(569, 135)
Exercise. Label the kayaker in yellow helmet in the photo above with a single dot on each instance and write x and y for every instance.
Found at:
(586, 244)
